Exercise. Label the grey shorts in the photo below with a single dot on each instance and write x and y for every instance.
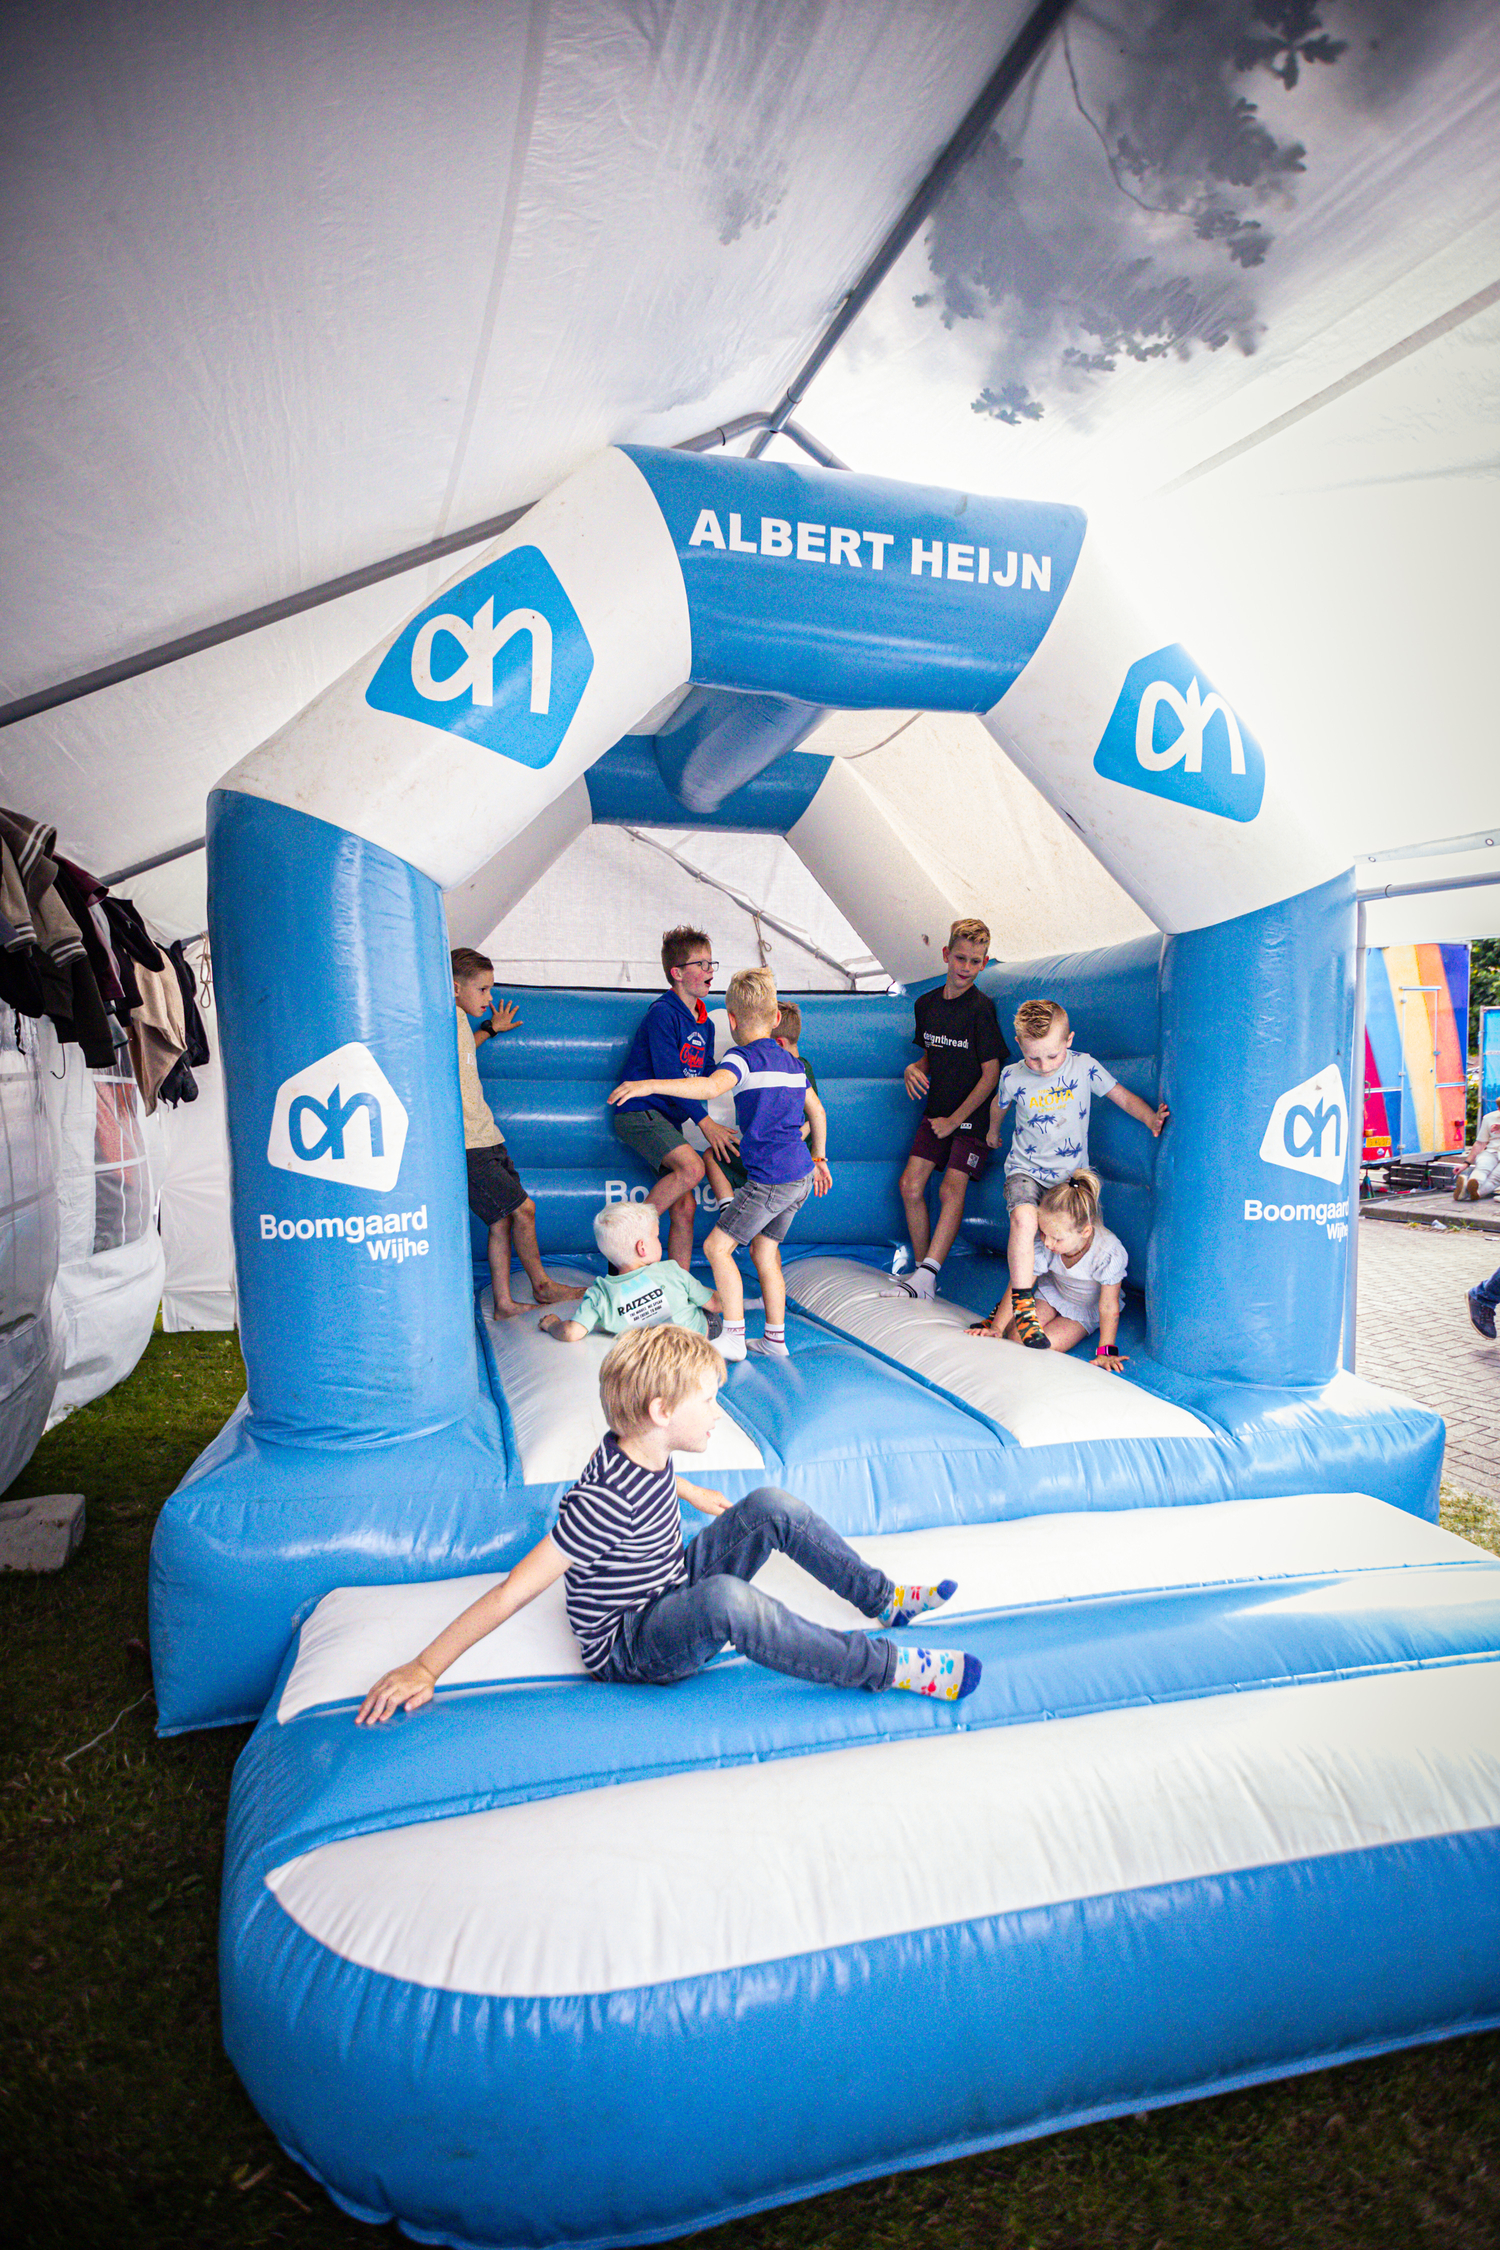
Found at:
(651, 1133)
(1020, 1187)
(765, 1207)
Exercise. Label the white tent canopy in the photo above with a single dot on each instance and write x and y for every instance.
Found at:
(289, 290)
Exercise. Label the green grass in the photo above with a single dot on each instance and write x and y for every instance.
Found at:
(122, 2124)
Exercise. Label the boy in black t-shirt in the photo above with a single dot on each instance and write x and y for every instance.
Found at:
(962, 1051)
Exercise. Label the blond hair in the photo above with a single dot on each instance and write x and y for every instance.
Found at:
(790, 1026)
(652, 1363)
(1074, 1200)
(1035, 1018)
(617, 1229)
(751, 1000)
(969, 930)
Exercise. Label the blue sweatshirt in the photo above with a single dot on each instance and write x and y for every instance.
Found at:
(671, 1042)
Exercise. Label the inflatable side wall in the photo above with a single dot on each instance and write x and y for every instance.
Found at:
(644, 572)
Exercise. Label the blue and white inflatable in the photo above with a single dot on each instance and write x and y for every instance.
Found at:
(1227, 1804)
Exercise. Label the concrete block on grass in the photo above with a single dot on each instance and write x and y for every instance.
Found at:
(40, 1534)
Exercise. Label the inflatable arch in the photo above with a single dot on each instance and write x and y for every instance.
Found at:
(1219, 1575)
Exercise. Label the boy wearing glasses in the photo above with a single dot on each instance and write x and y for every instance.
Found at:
(676, 1040)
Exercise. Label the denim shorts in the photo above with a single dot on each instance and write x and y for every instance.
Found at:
(765, 1207)
(1020, 1187)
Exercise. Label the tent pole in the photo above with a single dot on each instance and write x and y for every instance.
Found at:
(950, 161)
(1356, 1140)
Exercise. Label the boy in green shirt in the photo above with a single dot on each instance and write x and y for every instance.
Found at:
(646, 1291)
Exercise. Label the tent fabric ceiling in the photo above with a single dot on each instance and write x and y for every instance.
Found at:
(287, 288)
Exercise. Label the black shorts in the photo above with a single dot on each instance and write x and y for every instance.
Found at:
(495, 1188)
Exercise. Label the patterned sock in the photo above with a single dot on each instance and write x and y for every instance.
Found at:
(907, 1602)
(773, 1344)
(946, 1673)
(1028, 1328)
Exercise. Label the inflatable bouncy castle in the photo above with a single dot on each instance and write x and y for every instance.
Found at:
(1227, 1803)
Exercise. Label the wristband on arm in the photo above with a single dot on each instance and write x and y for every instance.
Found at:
(1107, 1351)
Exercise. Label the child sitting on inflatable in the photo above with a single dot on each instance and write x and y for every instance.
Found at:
(645, 1290)
(1052, 1089)
(676, 1039)
(496, 1196)
(1079, 1268)
(647, 1610)
(771, 1096)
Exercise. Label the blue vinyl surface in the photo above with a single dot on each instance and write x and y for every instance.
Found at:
(320, 1777)
(444, 2107)
(439, 2105)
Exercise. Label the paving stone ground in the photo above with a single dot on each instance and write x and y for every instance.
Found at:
(1415, 1335)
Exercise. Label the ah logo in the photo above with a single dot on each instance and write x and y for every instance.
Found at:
(340, 1119)
(1172, 734)
(501, 659)
(1309, 1128)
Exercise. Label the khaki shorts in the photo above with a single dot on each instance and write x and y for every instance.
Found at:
(651, 1133)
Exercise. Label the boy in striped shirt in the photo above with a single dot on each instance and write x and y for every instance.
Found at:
(771, 1097)
(646, 1609)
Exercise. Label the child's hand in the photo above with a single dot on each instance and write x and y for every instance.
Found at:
(992, 1137)
(722, 1140)
(1110, 1363)
(944, 1127)
(700, 1497)
(1156, 1123)
(503, 1016)
(822, 1175)
(916, 1081)
(631, 1090)
(550, 1322)
(405, 1689)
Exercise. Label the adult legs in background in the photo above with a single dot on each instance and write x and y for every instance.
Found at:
(1484, 1300)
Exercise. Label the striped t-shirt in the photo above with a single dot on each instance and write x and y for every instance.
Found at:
(621, 1530)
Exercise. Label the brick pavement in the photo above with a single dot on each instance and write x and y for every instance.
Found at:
(1415, 1335)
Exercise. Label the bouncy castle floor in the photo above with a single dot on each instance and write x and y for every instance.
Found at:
(127, 2125)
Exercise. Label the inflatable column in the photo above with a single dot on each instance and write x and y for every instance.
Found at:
(1166, 783)
(329, 850)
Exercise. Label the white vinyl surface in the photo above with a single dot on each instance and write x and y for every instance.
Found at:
(552, 1390)
(1042, 1398)
(700, 1872)
(358, 1632)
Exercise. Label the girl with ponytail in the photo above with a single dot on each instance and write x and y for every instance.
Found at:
(1079, 1268)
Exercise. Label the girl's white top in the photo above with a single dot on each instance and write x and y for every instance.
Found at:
(1074, 1290)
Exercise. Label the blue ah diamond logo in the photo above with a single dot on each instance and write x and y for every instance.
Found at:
(501, 659)
(1173, 735)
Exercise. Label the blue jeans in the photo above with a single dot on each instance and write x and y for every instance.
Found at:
(677, 1633)
(1488, 1292)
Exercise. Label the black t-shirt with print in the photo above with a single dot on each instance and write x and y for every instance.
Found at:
(959, 1037)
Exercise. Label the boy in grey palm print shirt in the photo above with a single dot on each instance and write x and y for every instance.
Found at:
(1053, 1091)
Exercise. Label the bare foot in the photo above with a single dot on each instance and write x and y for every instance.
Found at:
(505, 1308)
(555, 1292)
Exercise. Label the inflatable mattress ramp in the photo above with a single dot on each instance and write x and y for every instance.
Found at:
(1226, 1806)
